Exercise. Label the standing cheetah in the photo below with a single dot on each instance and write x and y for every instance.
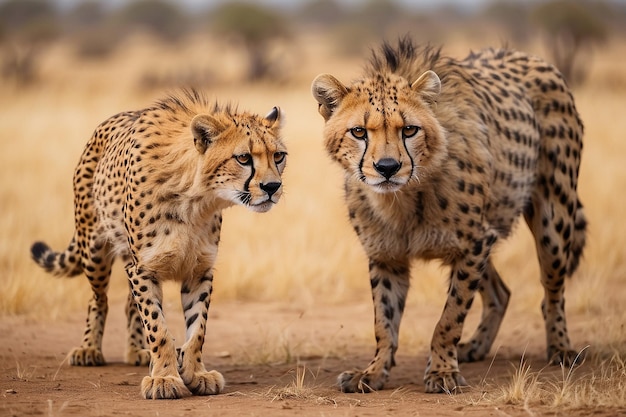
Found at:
(441, 157)
(150, 187)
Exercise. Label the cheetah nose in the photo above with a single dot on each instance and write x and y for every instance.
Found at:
(387, 167)
(270, 188)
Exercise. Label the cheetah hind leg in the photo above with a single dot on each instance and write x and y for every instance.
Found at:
(97, 268)
(559, 230)
(495, 298)
(136, 352)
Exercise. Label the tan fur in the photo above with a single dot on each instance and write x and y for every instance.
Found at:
(150, 188)
(441, 157)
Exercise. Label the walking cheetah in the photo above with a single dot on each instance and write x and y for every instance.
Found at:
(150, 187)
(441, 157)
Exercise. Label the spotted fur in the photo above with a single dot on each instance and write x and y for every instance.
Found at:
(150, 188)
(441, 156)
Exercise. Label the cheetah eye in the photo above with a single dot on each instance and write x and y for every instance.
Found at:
(410, 131)
(244, 158)
(279, 157)
(359, 132)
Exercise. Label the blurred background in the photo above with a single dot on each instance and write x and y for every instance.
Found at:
(272, 38)
(67, 65)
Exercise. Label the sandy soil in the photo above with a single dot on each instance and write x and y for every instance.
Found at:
(36, 380)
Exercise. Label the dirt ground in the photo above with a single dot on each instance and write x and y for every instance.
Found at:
(35, 378)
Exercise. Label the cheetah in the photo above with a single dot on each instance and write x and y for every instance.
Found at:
(150, 188)
(441, 156)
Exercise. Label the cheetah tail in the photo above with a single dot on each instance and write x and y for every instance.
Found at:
(65, 263)
(578, 239)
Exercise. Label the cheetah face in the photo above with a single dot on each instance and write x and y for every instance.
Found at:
(381, 129)
(252, 161)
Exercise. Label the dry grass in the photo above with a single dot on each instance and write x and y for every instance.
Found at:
(299, 388)
(24, 373)
(302, 388)
(602, 386)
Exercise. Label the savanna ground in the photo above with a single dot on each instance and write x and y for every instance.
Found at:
(292, 306)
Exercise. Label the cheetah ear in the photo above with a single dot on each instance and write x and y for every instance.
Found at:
(205, 129)
(273, 117)
(328, 91)
(428, 85)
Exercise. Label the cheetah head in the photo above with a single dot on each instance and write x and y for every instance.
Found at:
(382, 129)
(244, 157)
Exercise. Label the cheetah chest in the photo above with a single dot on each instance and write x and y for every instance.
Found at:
(393, 231)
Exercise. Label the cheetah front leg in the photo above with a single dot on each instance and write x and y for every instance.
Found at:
(442, 371)
(390, 284)
(195, 296)
(164, 381)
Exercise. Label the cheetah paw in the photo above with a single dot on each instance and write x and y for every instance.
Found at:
(444, 382)
(86, 357)
(471, 351)
(206, 383)
(138, 357)
(358, 381)
(160, 388)
(567, 357)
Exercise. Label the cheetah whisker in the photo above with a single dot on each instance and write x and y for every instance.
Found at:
(414, 175)
(396, 197)
(359, 176)
(245, 198)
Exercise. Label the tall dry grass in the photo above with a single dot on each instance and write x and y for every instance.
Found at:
(304, 250)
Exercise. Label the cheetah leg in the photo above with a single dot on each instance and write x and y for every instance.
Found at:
(136, 353)
(97, 267)
(442, 371)
(552, 227)
(164, 381)
(495, 296)
(195, 296)
(559, 350)
(390, 284)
